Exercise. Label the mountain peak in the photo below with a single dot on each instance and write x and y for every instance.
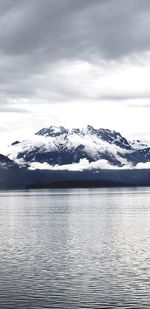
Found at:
(52, 131)
(107, 135)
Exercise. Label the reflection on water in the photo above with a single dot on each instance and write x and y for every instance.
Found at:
(75, 248)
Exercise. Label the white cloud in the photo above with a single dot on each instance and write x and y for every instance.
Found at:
(142, 165)
(83, 164)
(35, 141)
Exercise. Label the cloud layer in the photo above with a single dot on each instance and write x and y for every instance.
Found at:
(69, 51)
(84, 164)
(38, 35)
(53, 29)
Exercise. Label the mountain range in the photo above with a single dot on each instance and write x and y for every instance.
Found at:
(60, 157)
(59, 146)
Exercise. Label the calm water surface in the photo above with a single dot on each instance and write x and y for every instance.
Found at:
(87, 248)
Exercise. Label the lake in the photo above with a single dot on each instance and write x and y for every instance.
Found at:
(75, 248)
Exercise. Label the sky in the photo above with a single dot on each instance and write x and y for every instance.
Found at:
(73, 63)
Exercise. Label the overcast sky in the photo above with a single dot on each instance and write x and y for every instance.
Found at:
(73, 63)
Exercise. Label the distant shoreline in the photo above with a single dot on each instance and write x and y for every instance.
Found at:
(21, 178)
(80, 184)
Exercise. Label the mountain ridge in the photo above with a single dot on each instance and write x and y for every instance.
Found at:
(57, 157)
(60, 146)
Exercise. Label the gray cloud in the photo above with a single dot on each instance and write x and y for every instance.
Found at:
(35, 35)
(126, 97)
(74, 29)
(12, 109)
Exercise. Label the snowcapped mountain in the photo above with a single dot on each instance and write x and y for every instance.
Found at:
(59, 146)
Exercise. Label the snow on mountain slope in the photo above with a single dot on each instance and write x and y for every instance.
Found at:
(60, 146)
(138, 145)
